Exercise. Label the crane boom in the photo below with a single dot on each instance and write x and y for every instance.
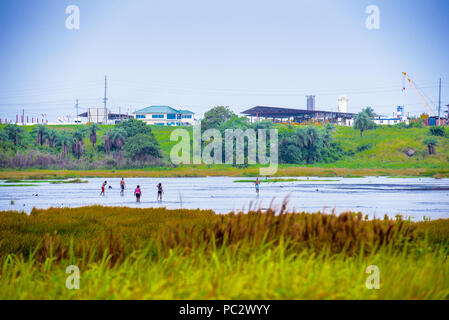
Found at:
(420, 95)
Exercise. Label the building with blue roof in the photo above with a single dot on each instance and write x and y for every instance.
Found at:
(165, 116)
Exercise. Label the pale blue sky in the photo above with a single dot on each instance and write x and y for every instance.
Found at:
(198, 54)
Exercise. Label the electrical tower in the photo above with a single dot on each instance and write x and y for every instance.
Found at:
(76, 106)
(105, 100)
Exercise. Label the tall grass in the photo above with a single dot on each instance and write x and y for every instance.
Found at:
(192, 254)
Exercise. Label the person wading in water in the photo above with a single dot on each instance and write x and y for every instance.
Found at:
(160, 190)
(102, 188)
(257, 185)
(122, 187)
(138, 193)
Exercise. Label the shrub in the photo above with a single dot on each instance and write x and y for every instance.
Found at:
(437, 131)
(364, 147)
(431, 143)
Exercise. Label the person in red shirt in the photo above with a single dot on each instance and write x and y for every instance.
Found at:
(102, 188)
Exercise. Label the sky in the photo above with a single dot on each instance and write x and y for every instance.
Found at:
(198, 54)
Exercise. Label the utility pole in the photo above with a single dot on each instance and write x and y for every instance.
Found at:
(439, 106)
(105, 100)
(23, 117)
(76, 106)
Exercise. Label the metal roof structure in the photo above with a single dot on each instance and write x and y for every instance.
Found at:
(186, 112)
(156, 109)
(111, 116)
(162, 109)
(276, 112)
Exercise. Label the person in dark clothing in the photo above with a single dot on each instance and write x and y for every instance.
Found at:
(160, 190)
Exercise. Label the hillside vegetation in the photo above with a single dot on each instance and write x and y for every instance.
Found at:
(387, 147)
(413, 151)
(384, 147)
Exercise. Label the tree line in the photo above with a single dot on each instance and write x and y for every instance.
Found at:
(132, 140)
(297, 145)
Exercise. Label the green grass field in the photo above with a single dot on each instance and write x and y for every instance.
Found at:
(387, 148)
(125, 253)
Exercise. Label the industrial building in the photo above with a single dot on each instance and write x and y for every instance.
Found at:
(298, 116)
(165, 116)
(97, 115)
(400, 117)
(303, 116)
(343, 104)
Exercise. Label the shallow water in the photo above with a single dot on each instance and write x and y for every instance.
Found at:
(376, 196)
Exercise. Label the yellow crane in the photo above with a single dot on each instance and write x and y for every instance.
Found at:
(419, 93)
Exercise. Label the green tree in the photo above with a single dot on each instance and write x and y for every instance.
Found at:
(236, 122)
(15, 133)
(307, 145)
(39, 131)
(215, 117)
(117, 137)
(3, 136)
(142, 147)
(431, 143)
(370, 112)
(64, 139)
(363, 122)
(107, 143)
(134, 127)
(93, 129)
(78, 142)
(437, 131)
(50, 136)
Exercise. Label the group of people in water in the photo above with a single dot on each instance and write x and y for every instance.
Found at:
(137, 191)
(160, 189)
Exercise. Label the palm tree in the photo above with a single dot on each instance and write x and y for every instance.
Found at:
(363, 122)
(3, 136)
(327, 135)
(311, 135)
(93, 128)
(107, 143)
(40, 131)
(431, 143)
(50, 136)
(15, 133)
(64, 139)
(115, 138)
(370, 112)
(118, 137)
(78, 142)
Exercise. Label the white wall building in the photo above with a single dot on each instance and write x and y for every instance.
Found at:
(343, 104)
(165, 116)
(399, 118)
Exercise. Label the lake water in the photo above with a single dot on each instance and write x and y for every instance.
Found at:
(376, 196)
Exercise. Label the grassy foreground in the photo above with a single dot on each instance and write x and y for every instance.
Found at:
(125, 253)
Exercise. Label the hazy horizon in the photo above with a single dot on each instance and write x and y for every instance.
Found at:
(199, 54)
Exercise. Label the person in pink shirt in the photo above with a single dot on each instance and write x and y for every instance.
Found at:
(138, 193)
